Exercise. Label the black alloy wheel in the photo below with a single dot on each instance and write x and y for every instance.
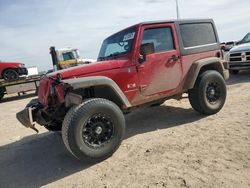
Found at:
(98, 130)
(213, 92)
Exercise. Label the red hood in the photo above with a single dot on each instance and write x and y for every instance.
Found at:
(82, 70)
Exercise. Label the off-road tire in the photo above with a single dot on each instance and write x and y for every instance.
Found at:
(10, 75)
(234, 72)
(76, 121)
(199, 96)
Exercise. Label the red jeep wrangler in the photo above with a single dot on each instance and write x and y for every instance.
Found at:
(142, 65)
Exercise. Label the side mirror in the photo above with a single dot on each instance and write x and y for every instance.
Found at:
(146, 49)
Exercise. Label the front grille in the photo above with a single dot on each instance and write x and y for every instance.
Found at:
(235, 55)
(240, 57)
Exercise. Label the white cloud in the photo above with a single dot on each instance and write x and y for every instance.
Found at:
(28, 28)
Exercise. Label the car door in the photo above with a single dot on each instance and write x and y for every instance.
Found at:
(161, 70)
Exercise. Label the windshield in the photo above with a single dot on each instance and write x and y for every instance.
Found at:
(117, 44)
(68, 56)
(246, 39)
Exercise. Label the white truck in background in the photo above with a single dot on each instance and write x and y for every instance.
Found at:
(67, 57)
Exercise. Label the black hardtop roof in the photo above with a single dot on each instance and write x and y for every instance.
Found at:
(179, 21)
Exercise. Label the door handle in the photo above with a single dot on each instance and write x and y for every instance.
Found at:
(174, 58)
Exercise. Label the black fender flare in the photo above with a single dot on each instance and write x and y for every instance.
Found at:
(91, 81)
(196, 67)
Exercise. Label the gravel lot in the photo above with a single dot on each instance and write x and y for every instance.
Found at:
(166, 146)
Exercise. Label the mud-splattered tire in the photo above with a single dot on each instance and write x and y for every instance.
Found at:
(209, 93)
(93, 130)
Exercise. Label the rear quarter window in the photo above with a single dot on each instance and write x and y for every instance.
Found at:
(197, 34)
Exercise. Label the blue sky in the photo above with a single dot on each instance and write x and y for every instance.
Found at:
(29, 27)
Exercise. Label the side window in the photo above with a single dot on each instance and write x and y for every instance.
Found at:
(161, 38)
(196, 34)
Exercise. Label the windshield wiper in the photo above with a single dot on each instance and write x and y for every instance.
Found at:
(101, 58)
(113, 55)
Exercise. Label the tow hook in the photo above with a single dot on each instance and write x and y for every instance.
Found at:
(34, 128)
(32, 124)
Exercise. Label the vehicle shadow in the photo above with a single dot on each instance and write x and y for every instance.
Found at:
(15, 98)
(38, 160)
(161, 117)
(241, 77)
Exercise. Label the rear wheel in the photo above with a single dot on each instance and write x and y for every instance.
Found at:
(233, 71)
(94, 130)
(10, 74)
(209, 93)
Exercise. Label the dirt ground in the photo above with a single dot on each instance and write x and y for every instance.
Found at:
(166, 146)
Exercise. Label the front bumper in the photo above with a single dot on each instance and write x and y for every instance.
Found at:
(25, 117)
(22, 71)
(239, 65)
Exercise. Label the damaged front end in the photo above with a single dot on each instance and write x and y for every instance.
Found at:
(26, 117)
(49, 109)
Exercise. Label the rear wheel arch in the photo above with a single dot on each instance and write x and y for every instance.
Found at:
(200, 67)
(212, 66)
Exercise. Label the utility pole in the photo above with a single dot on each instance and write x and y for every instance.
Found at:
(177, 10)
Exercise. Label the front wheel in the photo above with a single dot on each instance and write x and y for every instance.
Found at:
(209, 93)
(94, 130)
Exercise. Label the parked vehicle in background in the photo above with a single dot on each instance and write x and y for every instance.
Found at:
(67, 57)
(239, 56)
(246, 39)
(10, 71)
(229, 45)
(142, 65)
(226, 46)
